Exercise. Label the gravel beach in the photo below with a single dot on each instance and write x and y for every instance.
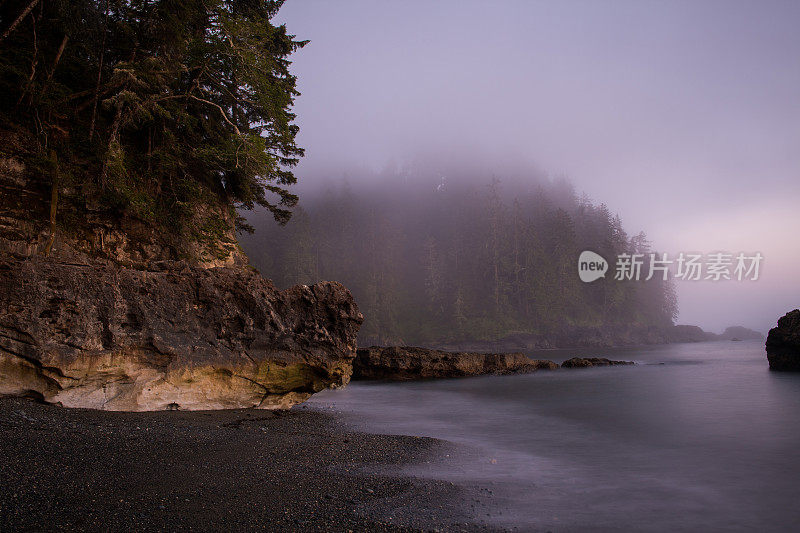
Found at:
(296, 470)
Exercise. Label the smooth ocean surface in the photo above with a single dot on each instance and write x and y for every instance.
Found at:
(695, 437)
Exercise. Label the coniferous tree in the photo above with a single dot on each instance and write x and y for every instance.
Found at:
(155, 106)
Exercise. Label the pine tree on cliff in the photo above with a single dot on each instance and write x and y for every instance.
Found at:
(151, 106)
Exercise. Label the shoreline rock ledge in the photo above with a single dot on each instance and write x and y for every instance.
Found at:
(783, 343)
(95, 334)
(405, 363)
(589, 362)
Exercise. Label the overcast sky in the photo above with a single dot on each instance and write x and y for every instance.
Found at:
(683, 117)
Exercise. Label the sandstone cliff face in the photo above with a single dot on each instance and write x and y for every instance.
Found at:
(91, 333)
(400, 363)
(783, 343)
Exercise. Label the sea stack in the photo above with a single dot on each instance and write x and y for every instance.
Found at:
(783, 343)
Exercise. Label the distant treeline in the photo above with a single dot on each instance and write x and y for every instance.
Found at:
(442, 260)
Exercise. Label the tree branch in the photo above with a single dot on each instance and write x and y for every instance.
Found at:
(222, 111)
(18, 20)
(58, 58)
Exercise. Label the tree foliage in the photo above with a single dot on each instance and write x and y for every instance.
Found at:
(156, 103)
(477, 259)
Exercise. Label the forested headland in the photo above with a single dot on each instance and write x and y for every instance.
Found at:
(130, 133)
(134, 130)
(440, 257)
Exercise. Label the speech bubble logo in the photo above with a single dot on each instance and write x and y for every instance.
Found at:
(591, 266)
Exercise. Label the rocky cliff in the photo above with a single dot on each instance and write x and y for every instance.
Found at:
(99, 335)
(783, 343)
(104, 310)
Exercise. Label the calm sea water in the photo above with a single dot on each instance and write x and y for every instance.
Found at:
(695, 437)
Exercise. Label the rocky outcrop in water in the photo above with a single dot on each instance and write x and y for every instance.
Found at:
(696, 334)
(740, 333)
(402, 363)
(686, 333)
(93, 333)
(783, 343)
(587, 362)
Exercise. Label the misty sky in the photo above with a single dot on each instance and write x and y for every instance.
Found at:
(683, 117)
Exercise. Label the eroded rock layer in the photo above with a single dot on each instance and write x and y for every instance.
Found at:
(99, 335)
(587, 362)
(408, 363)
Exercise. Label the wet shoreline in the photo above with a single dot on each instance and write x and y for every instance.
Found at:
(245, 469)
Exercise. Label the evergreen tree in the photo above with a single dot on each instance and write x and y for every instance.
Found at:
(155, 106)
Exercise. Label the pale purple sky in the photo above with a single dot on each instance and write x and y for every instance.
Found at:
(682, 116)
